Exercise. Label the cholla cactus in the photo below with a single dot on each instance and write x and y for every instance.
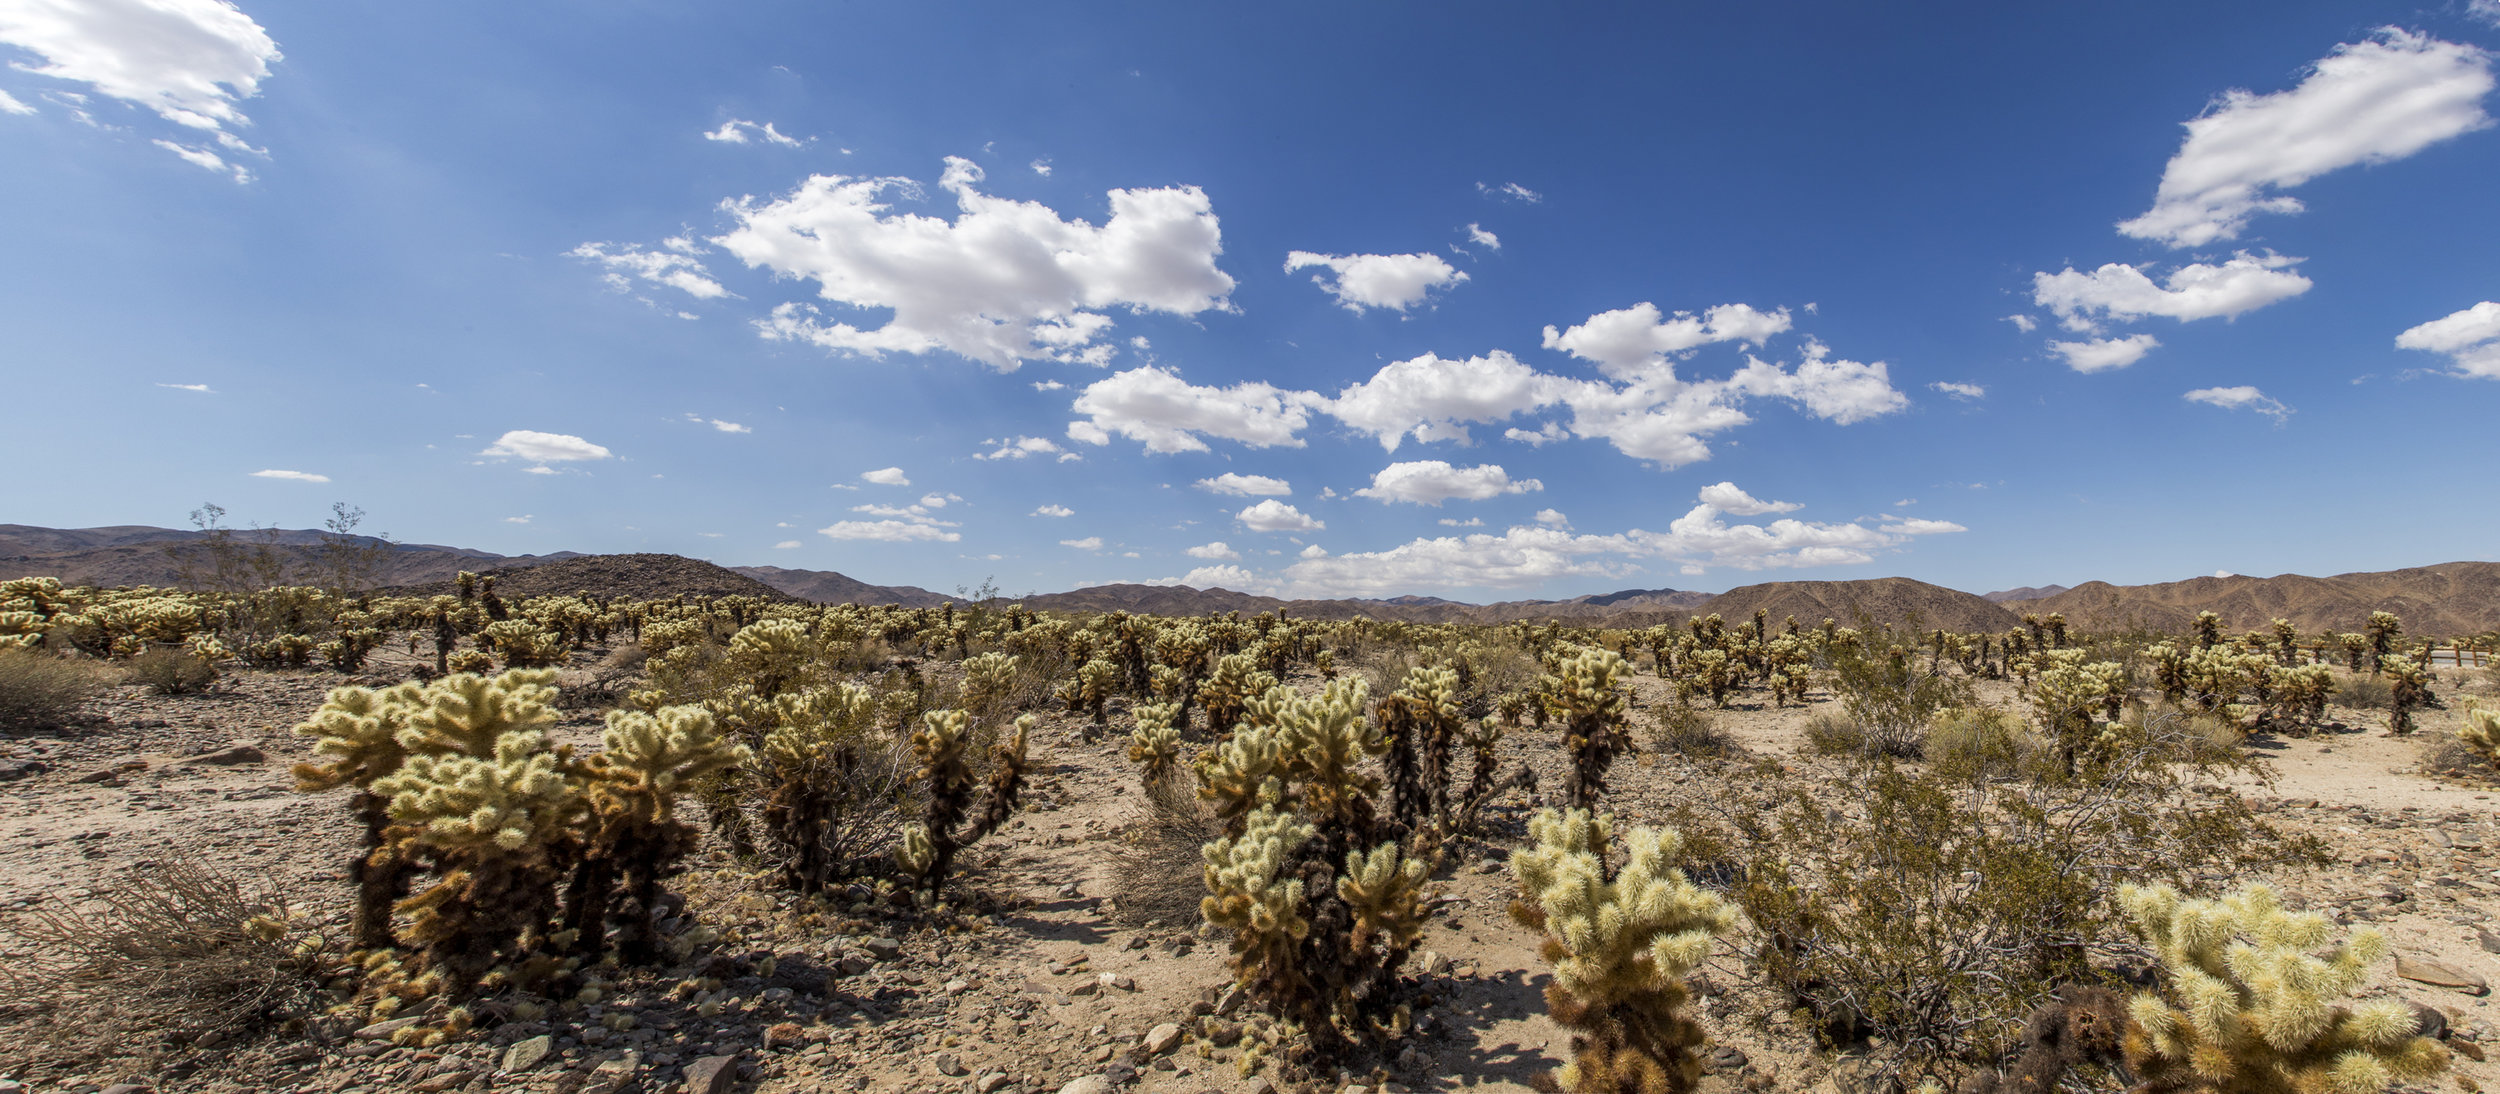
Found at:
(1154, 745)
(1324, 743)
(1236, 679)
(1090, 692)
(634, 836)
(771, 655)
(2409, 689)
(1233, 774)
(2382, 632)
(2301, 691)
(986, 679)
(1621, 944)
(357, 731)
(488, 824)
(2482, 733)
(949, 822)
(1586, 688)
(2070, 691)
(523, 644)
(2249, 1007)
(1251, 893)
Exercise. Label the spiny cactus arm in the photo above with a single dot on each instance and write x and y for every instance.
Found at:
(469, 714)
(648, 758)
(357, 730)
(1232, 775)
(1154, 745)
(1244, 893)
(1386, 892)
(513, 800)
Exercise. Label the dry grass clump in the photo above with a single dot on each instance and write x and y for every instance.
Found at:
(2360, 692)
(169, 671)
(1686, 730)
(39, 691)
(178, 957)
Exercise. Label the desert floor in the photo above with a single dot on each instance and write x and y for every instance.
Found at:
(1053, 981)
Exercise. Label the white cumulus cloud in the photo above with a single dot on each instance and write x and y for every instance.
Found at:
(1276, 516)
(2195, 291)
(2243, 397)
(1731, 499)
(2105, 353)
(1628, 342)
(889, 531)
(2470, 338)
(1004, 282)
(674, 267)
(1431, 482)
(1089, 543)
(291, 476)
(1167, 414)
(189, 61)
(11, 104)
(886, 476)
(786, 545)
(2371, 101)
(1246, 486)
(545, 448)
(1432, 398)
(1054, 510)
(1958, 390)
(1017, 448)
(736, 131)
(1397, 282)
(1218, 550)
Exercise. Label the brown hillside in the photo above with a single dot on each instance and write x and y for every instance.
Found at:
(648, 577)
(2453, 598)
(828, 587)
(1895, 600)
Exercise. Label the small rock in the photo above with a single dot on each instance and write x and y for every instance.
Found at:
(124, 1088)
(1088, 987)
(1115, 980)
(11, 770)
(711, 1075)
(445, 1081)
(989, 1082)
(1163, 1038)
(1102, 1053)
(1727, 1058)
(2490, 941)
(1433, 963)
(2429, 1022)
(1262, 1086)
(524, 1055)
(2437, 974)
(1086, 1084)
(783, 1035)
(233, 755)
(851, 966)
(883, 949)
(1230, 1001)
(382, 1031)
(958, 987)
(946, 1064)
(618, 1076)
(1224, 1034)
(107, 775)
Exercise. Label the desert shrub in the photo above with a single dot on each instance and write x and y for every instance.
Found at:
(1969, 744)
(176, 957)
(2364, 692)
(1930, 917)
(2246, 1004)
(603, 684)
(1888, 700)
(826, 797)
(40, 691)
(170, 671)
(1621, 941)
(1686, 730)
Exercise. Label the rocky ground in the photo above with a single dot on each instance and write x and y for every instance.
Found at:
(1046, 981)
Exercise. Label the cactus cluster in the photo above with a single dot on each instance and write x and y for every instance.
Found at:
(1621, 942)
(522, 858)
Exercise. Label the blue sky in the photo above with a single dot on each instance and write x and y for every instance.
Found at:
(1475, 300)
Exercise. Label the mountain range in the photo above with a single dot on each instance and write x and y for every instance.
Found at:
(2453, 598)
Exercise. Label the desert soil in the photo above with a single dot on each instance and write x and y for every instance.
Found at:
(1048, 981)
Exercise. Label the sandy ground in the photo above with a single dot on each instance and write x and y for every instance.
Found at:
(1057, 983)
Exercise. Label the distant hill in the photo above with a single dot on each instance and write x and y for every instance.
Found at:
(2025, 593)
(827, 587)
(2455, 598)
(1895, 600)
(142, 555)
(645, 577)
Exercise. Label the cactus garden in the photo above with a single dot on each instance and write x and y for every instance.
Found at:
(704, 844)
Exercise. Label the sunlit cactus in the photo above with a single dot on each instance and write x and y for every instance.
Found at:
(2248, 1005)
(2409, 689)
(2070, 695)
(633, 835)
(1621, 943)
(1250, 893)
(356, 732)
(949, 821)
(1155, 746)
(770, 655)
(2481, 733)
(1090, 692)
(1587, 689)
(2383, 630)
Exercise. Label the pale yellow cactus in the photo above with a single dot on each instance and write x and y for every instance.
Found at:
(1155, 746)
(513, 799)
(2481, 733)
(645, 759)
(2249, 1005)
(1386, 891)
(1621, 949)
(470, 714)
(1245, 893)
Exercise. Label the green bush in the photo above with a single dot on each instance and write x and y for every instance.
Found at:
(39, 690)
(1970, 744)
(1685, 729)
